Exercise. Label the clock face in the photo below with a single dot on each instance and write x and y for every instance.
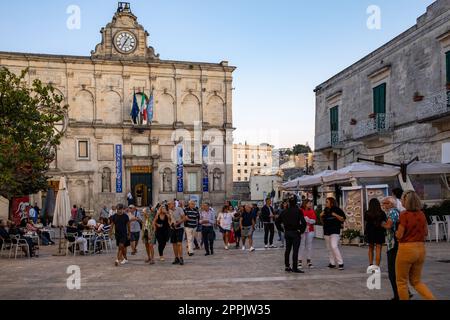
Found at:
(125, 42)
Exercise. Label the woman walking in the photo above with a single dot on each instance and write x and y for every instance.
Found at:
(411, 234)
(237, 226)
(307, 237)
(161, 226)
(149, 236)
(389, 206)
(224, 220)
(374, 231)
(332, 219)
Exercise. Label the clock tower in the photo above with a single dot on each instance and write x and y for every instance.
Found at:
(124, 38)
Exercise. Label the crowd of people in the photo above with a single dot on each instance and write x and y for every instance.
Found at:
(397, 221)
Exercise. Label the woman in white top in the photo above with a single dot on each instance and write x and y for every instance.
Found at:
(224, 220)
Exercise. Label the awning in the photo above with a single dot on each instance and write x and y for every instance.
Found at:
(307, 181)
(428, 168)
(360, 170)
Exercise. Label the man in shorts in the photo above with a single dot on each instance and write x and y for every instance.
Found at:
(177, 219)
(247, 227)
(135, 227)
(121, 224)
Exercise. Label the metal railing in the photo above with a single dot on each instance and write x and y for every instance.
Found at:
(380, 123)
(435, 105)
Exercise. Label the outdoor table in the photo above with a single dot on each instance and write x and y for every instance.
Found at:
(89, 236)
(33, 236)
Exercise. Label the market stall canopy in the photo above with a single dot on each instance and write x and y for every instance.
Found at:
(307, 181)
(360, 170)
(291, 184)
(428, 168)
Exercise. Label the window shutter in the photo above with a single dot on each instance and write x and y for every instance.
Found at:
(447, 63)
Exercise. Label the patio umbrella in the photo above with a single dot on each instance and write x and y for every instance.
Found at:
(61, 215)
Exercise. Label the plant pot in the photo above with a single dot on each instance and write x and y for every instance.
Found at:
(345, 241)
(418, 98)
(319, 232)
(355, 240)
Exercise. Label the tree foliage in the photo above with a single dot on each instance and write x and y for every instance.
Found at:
(300, 148)
(29, 115)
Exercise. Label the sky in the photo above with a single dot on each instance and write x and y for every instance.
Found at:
(282, 49)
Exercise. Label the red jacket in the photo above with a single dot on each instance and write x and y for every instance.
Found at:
(311, 215)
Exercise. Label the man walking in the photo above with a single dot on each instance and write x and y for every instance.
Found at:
(248, 221)
(135, 228)
(267, 217)
(190, 225)
(121, 223)
(177, 218)
(207, 220)
(294, 225)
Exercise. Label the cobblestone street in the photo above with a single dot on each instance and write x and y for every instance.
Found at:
(232, 274)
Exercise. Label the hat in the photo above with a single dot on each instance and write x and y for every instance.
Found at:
(131, 206)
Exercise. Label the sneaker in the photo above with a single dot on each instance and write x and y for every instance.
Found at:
(288, 269)
(162, 259)
(273, 246)
(176, 261)
(190, 254)
(207, 254)
(243, 248)
(181, 261)
(331, 266)
(252, 249)
(341, 267)
(300, 265)
(266, 246)
(310, 265)
(226, 247)
(124, 261)
(116, 263)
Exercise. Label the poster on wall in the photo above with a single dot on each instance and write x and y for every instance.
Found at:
(353, 208)
(180, 168)
(119, 168)
(376, 191)
(205, 168)
(19, 209)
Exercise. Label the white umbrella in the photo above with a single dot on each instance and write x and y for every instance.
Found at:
(361, 170)
(61, 216)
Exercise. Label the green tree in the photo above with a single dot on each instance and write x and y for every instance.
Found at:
(300, 148)
(29, 135)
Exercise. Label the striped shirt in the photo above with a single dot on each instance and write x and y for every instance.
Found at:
(193, 217)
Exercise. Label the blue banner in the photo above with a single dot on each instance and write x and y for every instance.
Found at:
(119, 168)
(180, 186)
(205, 168)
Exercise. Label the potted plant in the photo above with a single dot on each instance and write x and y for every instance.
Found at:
(417, 97)
(356, 237)
(372, 115)
(346, 236)
(353, 122)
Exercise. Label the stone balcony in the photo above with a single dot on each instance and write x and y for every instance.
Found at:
(329, 140)
(434, 108)
(380, 124)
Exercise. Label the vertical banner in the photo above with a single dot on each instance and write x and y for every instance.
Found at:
(119, 168)
(180, 168)
(205, 168)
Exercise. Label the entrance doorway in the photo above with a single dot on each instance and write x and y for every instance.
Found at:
(141, 188)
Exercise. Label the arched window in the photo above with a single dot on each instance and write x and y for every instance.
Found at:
(106, 180)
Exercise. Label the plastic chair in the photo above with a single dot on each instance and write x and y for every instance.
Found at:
(16, 243)
(437, 225)
(447, 222)
(73, 243)
(6, 245)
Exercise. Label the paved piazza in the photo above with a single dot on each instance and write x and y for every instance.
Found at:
(232, 274)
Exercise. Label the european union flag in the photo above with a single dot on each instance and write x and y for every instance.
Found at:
(135, 109)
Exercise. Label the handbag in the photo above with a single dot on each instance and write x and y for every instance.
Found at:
(232, 239)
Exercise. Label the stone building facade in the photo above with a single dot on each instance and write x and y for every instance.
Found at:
(393, 104)
(104, 155)
(249, 157)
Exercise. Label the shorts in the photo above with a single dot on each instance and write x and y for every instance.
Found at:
(122, 239)
(134, 236)
(222, 230)
(149, 237)
(247, 231)
(176, 235)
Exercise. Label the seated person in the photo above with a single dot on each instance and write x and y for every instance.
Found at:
(4, 236)
(15, 231)
(45, 236)
(77, 231)
(84, 224)
(39, 224)
(92, 223)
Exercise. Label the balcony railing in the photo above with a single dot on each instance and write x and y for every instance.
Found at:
(335, 139)
(379, 124)
(434, 106)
